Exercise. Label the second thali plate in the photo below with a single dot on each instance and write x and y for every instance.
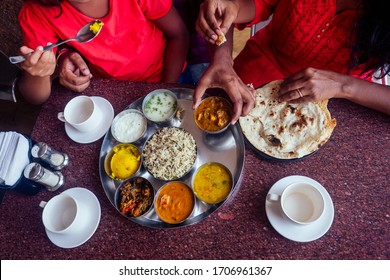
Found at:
(227, 148)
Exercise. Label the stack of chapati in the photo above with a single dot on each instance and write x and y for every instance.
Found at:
(286, 130)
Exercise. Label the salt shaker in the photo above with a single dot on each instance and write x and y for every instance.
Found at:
(55, 159)
(51, 180)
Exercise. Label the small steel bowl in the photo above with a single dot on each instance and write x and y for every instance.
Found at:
(134, 197)
(134, 168)
(213, 115)
(129, 126)
(212, 182)
(174, 202)
(160, 105)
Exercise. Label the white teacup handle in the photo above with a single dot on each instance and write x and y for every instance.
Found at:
(61, 117)
(273, 197)
(42, 204)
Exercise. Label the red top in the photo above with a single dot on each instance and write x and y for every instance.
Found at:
(129, 46)
(301, 34)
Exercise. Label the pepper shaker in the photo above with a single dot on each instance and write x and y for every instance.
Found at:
(51, 180)
(55, 159)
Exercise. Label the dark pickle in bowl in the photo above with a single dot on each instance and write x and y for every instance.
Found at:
(213, 114)
(134, 197)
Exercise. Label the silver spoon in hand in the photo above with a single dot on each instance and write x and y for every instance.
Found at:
(85, 34)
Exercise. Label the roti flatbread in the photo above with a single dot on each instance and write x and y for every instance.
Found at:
(286, 130)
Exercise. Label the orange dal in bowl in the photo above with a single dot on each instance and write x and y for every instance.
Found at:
(174, 202)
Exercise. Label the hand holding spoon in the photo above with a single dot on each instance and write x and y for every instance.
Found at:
(85, 34)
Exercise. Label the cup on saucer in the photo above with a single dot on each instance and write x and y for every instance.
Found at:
(82, 113)
(301, 202)
(87, 118)
(63, 214)
(71, 218)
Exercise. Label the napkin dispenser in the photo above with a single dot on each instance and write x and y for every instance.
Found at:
(21, 184)
(27, 166)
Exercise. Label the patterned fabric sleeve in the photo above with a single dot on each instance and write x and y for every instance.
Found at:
(378, 73)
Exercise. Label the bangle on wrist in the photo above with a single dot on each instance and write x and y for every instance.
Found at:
(61, 52)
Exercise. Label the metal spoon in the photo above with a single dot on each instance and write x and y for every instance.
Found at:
(84, 35)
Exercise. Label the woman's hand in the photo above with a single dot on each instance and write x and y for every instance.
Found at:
(215, 18)
(315, 85)
(38, 63)
(222, 75)
(312, 85)
(74, 72)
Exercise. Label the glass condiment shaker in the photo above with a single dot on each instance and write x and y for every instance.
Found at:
(55, 159)
(51, 180)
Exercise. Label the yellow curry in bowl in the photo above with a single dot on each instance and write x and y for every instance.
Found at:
(174, 202)
(213, 114)
(122, 162)
(212, 182)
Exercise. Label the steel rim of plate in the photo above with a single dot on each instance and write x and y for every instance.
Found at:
(211, 147)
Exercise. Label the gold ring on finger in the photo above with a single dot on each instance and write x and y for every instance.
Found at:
(299, 92)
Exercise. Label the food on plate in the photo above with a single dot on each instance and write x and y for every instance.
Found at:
(135, 197)
(212, 182)
(213, 114)
(128, 126)
(159, 105)
(220, 40)
(180, 114)
(125, 161)
(96, 26)
(174, 202)
(169, 153)
(286, 130)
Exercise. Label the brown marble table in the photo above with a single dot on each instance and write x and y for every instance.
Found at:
(354, 167)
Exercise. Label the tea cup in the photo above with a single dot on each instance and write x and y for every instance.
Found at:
(301, 203)
(63, 214)
(81, 113)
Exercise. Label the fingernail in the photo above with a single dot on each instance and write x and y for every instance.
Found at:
(40, 48)
(86, 71)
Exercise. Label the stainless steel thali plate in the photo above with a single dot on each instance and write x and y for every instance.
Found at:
(227, 148)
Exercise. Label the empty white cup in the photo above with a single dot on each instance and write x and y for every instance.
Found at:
(63, 214)
(82, 113)
(302, 203)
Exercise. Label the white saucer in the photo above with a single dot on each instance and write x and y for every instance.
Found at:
(97, 133)
(291, 230)
(71, 240)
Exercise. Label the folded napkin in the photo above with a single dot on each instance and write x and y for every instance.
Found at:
(14, 156)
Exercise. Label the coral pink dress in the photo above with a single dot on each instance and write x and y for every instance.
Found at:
(129, 46)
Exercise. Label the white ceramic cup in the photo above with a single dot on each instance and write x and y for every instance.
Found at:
(302, 203)
(82, 113)
(63, 214)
